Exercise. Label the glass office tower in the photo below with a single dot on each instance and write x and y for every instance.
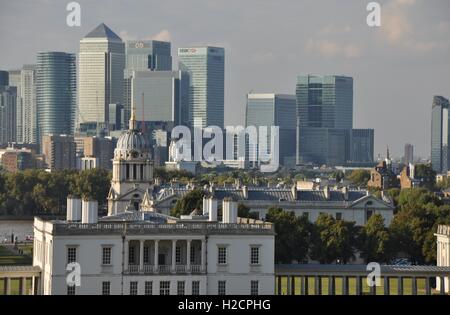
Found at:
(55, 93)
(324, 102)
(274, 110)
(440, 135)
(148, 55)
(206, 69)
(101, 70)
(362, 145)
(144, 55)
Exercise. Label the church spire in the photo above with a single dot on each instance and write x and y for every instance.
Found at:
(132, 123)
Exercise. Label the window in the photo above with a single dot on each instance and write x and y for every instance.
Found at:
(106, 256)
(254, 287)
(70, 290)
(146, 255)
(368, 214)
(180, 287)
(222, 255)
(106, 288)
(131, 255)
(148, 287)
(164, 287)
(254, 255)
(178, 255)
(195, 287)
(339, 216)
(306, 215)
(133, 288)
(71, 254)
(192, 254)
(221, 287)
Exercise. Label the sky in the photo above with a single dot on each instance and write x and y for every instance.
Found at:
(397, 67)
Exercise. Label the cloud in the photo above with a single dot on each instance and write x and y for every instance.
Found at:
(328, 48)
(164, 36)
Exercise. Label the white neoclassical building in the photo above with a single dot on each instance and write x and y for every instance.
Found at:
(149, 253)
(136, 250)
(443, 254)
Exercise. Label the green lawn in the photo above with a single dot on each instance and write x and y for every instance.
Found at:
(407, 286)
(10, 258)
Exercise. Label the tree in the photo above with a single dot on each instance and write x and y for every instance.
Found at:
(192, 200)
(92, 184)
(359, 177)
(333, 240)
(426, 174)
(374, 240)
(244, 212)
(293, 235)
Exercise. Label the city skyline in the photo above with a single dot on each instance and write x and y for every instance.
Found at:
(331, 39)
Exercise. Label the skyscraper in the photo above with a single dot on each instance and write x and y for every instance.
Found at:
(4, 77)
(408, 157)
(143, 55)
(15, 79)
(275, 110)
(440, 133)
(164, 95)
(101, 71)
(362, 145)
(206, 69)
(26, 103)
(8, 99)
(148, 55)
(324, 103)
(55, 93)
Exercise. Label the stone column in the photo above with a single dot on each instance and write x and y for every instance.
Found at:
(293, 285)
(358, 285)
(23, 286)
(141, 255)
(386, 286)
(414, 286)
(344, 285)
(33, 285)
(203, 255)
(427, 286)
(399, 286)
(156, 256)
(188, 255)
(174, 246)
(8, 286)
(279, 285)
(317, 285)
(442, 286)
(304, 285)
(125, 254)
(331, 288)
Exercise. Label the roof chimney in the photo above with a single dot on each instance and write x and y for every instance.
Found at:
(212, 209)
(73, 209)
(89, 211)
(229, 210)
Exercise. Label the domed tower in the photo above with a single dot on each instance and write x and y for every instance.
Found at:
(132, 170)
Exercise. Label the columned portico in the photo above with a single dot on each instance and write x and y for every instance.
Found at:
(165, 256)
